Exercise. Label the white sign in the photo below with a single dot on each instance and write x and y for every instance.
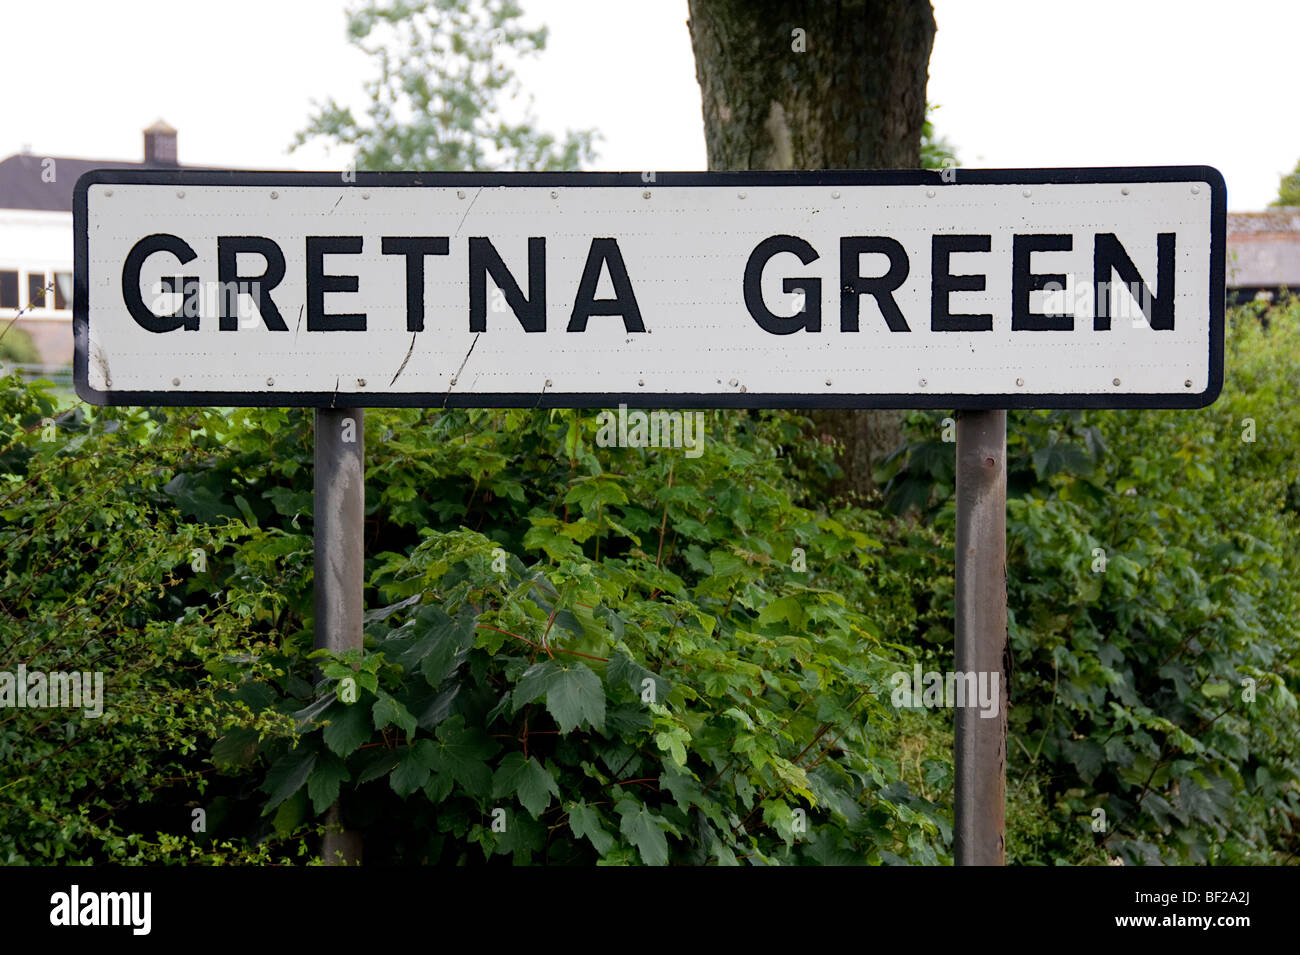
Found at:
(993, 289)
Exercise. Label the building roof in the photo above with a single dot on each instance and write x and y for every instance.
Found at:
(24, 185)
(1264, 249)
(1271, 221)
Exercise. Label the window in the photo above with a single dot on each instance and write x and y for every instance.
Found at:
(36, 290)
(8, 289)
(62, 290)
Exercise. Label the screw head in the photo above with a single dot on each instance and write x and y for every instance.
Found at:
(1020, 382)
(175, 382)
(270, 382)
(1115, 382)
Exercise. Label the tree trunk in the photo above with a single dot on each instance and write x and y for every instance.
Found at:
(818, 85)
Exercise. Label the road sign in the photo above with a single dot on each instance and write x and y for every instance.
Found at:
(1046, 288)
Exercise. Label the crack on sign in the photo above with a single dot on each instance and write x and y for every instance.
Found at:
(465, 359)
(478, 193)
(408, 358)
(545, 384)
(334, 399)
(454, 378)
(296, 330)
(336, 204)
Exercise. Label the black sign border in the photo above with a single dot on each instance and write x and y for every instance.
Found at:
(629, 180)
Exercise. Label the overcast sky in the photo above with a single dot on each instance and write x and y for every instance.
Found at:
(1018, 82)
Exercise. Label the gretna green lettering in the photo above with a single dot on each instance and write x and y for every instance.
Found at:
(605, 258)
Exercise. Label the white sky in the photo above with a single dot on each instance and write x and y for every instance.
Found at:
(1019, 82)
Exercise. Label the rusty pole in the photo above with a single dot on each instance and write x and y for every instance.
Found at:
(339, 516)
(981, 741)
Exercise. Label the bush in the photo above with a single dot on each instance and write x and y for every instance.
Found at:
(17, 347)
(1152, 616)
(576, 654)
(656, 683)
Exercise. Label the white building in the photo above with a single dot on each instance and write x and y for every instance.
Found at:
(36, 248)
(1263, 253)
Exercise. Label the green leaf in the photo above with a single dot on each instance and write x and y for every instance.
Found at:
(585, 821)
(290, 814)
(287, 775)
(438, 707)
(784, 608)
(201, 496)
(1062, 456)
(387, 710)
(461, 752)
(643, 830)
(522, 838)
(323, 783)
(527, 780)
(309, 713)
(574, 693)
(381, 764)
(624, 671)
(444, 644)
(412, 772)
(236, 749)
(348, 728)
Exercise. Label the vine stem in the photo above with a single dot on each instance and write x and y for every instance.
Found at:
(538, 646)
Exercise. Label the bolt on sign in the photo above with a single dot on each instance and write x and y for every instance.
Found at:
(1043, 288)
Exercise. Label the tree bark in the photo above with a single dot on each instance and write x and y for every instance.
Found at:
(836, 84)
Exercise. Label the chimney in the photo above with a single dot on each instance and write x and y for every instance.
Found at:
(160, 145)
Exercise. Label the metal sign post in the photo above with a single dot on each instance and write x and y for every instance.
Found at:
(981, 740)
(339, 518)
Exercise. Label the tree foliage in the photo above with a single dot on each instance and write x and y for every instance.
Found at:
(1288, 191)
(936, 151)
(441, 98)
